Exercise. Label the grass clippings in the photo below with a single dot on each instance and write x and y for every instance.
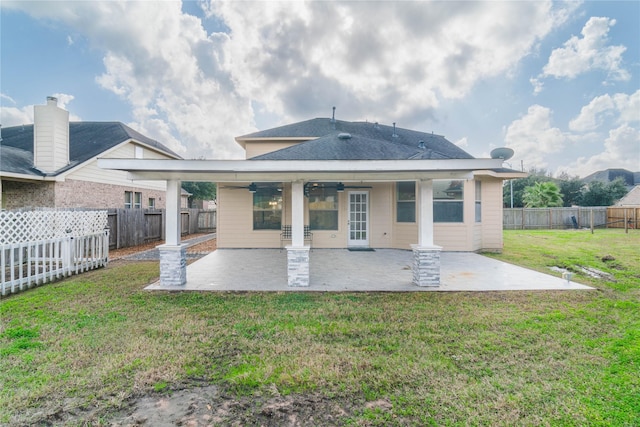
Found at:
(95, 349)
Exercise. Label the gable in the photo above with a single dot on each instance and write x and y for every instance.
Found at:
(87, 140)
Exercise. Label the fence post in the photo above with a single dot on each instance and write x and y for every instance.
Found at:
(626, 224)
(591, 220)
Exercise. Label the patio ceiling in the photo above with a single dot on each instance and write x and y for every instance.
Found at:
(295, 170)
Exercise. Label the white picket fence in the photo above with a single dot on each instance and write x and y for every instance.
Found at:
(71, 242)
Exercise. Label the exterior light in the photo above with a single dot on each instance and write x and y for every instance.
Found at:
(253, 187)
(340, 187)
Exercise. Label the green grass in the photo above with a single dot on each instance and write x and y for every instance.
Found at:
(500, 358)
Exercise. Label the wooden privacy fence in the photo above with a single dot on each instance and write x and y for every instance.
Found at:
(623, 217)
(578, 217)
(37, 247)
(132, 227)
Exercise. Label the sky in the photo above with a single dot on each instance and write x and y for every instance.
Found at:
(558, 82)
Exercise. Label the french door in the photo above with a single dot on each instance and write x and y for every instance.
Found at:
(358, 218)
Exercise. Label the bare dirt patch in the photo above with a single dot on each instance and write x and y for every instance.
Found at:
(208, 406)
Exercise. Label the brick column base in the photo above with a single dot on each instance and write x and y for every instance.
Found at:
(173, 265)
(426, 265)
(298, 266)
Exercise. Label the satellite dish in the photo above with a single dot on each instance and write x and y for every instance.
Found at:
(504, 153)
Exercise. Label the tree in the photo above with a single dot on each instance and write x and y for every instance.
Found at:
(599, 193)
(571, 189)
(519, 186)
(200, 190)
(542, 195)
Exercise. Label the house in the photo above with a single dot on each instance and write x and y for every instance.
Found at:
(53, 163)
(608, 175)
(341, 184)
(632, 199)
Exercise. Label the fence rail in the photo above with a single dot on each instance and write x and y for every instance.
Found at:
(26, 264)
(578, 217)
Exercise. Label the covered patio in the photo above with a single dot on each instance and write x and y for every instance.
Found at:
(298, 266)
(340, 270)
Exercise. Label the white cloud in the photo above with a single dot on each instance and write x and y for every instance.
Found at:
(533, 138)
(388, 61)
(621, 148)
(396, 60)
(591, 52)
(462, 142)
(14, 116)
(621, 108)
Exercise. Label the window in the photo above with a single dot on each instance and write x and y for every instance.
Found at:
(128, 199)
(267, 208)
(478, 201)
(448, 198)
(323, 208)
(152, 203)
(138, 152)
(137, 200)
(406, 201)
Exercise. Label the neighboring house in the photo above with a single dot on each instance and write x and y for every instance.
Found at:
(350, 185)
(608, 175)
(53, 163)
(632, 199)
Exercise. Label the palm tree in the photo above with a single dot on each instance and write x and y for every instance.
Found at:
(542, 195)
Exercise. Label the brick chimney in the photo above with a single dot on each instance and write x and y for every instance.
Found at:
(50, 136)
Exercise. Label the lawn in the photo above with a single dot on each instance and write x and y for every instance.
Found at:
(79, 351)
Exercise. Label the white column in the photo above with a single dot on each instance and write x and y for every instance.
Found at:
(297, 214)
(426, 256)
(297, 253)
(173, 223)
(173, 255)
(425, 213)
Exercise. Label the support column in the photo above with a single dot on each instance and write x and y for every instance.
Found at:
(297, 253)
(426, 256)
(173, 225)
(297, 214)
(173, 255)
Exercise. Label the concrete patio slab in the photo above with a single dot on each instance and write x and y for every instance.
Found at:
(339, 270)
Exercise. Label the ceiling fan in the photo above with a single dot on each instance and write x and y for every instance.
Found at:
(253, 187)
(339, 187)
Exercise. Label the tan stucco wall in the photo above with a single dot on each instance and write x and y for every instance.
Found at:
(235, 221)
(257, 148)
(492, 216)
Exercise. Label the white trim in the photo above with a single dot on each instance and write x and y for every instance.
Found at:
(367, 221)
(293, 170)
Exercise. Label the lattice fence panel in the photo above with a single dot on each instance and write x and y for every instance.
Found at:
(30, 226)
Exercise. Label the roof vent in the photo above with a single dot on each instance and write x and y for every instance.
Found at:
(333, 115)
(344, 135)
(421, 145)
(395, 135)
(376, 126)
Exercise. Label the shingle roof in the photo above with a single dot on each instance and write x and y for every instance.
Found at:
(609, 175)
(367, 141)
(86, 140)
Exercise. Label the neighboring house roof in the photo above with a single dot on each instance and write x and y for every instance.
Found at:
(86, 141)
(632, 198)
(608, 175)
(342, 140)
